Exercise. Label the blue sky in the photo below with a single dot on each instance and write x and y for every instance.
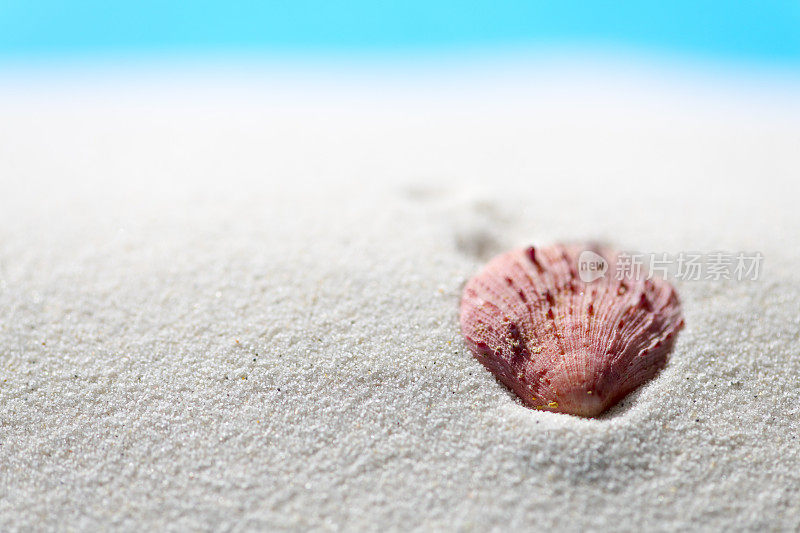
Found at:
(765, 31)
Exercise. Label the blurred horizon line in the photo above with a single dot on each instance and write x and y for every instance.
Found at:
(511, 76)
(502, 61)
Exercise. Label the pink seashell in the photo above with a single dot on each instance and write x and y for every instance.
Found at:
(560, 343)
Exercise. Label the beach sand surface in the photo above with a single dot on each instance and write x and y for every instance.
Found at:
(232, 304)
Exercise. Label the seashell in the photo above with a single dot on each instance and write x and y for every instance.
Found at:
(563, 344)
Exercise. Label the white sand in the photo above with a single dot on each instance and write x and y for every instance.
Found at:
(237, 308)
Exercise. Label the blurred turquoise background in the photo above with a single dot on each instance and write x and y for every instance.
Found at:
(761, 32)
